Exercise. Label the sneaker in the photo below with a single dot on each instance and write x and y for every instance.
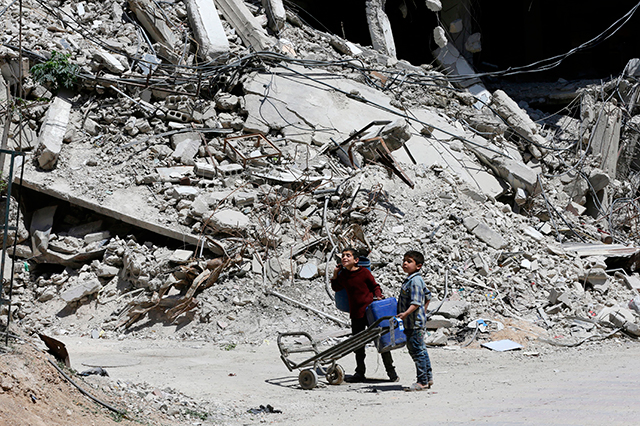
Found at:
(430, 383)
(356, 378)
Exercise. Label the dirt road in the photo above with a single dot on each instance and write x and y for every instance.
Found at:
(596, 384)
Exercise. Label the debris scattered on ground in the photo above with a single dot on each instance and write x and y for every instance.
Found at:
(202, 176)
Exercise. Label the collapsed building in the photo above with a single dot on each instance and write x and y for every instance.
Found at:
(213, 157)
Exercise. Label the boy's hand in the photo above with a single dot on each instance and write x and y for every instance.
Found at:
(402, 316)
(336, 270)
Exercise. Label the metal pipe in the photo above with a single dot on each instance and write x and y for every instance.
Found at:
(302, 305)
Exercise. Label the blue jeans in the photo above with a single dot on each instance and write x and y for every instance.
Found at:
(418, 352)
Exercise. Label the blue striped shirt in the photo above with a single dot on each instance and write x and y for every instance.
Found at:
(414, 292)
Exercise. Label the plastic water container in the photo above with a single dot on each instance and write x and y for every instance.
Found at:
(342, 300)
(396, 338)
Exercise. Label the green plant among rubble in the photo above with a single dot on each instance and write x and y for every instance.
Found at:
(196, 414)
(57, 72)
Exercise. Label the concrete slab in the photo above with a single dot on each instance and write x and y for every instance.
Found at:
(433, 150)
(322, 111)
(128, 204)
(327, 113)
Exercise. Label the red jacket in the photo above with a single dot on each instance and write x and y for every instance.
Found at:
(361, 289)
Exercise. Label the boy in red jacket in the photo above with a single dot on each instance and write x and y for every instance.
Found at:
(362, 289)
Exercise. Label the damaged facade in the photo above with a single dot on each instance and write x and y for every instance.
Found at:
(261, 146)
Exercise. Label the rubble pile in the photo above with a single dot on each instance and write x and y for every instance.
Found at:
(263, 147)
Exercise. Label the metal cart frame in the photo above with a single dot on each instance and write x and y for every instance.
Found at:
(308, 378)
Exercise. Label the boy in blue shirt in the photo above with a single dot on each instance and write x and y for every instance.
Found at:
(412, 305)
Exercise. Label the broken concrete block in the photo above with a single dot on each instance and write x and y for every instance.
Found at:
(598, 179)
(575, 208)
(546, 229)
(181, 256)
(632, 69)
(594, 276)
(205, 170)
(199, 207)
(632, 281)
(92, 127)
(473, 43)
(48, 294)
(438, 321)
(97, 236)
(52, 133)
(308, 271)
(246, 25)
(109, 60)
(533, 233)
(553, 296)
(577, 189)
(621, 321)
(380, 28)
(151, 18)
(85, 228)
(440, 37)
(521, 196)
(230, 221)
(242, 199)
(515, 172)
(439, 338)
(186, 150)
(182, 192)
(434, 5)
(518, 119)
(565, 299)
(634, 304)
(555, 309)
(275, 13)
(453, 308)
(207, 29)
(484, 233)
(106, 271)
(227, 102)
(78, 292)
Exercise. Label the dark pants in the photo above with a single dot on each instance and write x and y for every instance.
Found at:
(358, 325)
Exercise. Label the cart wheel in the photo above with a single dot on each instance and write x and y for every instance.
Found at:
(308, 379)
(335, 375)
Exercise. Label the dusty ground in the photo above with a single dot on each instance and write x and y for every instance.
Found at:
(596, 383)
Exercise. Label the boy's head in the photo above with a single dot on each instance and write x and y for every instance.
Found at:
(412, 262)
(349, 258)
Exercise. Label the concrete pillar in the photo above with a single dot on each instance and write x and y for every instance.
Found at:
(52, 132)
(207, 29)
(153, 21)
(380, 28)
(247, 26)
(276, 14)
(606, 137)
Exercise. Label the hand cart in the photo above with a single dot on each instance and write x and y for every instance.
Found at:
(308, 378)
